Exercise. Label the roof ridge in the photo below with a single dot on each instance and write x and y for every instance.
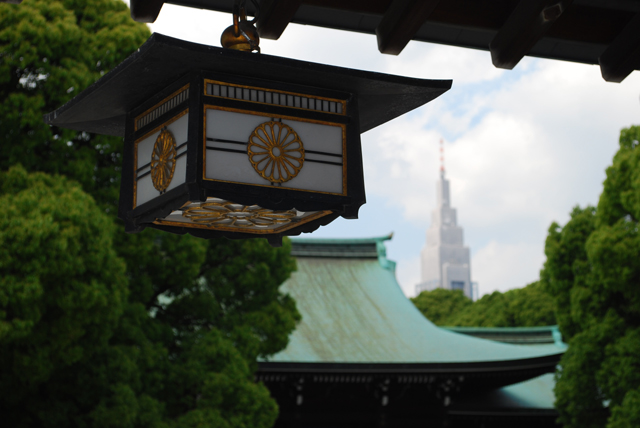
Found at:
(342, 241)
(361, 248)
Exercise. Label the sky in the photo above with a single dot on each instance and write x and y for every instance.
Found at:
(522, 147)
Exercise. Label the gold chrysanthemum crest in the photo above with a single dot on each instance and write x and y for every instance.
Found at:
(163, 160)
(275, 151)
(226, 213)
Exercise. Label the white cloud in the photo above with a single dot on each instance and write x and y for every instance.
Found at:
(526, 152)
(443, 62)
(501, 267)
(408, 275)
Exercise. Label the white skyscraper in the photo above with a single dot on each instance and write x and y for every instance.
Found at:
(445, 260)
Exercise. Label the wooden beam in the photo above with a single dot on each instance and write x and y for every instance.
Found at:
(526, 25)
(623, 54)
(401, 22)
(145, 10)
(274, 16)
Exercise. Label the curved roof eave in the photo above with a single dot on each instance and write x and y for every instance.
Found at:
(355, 317)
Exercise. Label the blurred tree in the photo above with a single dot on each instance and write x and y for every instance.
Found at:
(168, 331)
(439, 305)
(522, 307)
(593, 272)
(567, 265)
(49, 52)
(529, 306)
(62, 286)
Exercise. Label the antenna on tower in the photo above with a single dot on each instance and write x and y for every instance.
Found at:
(441, 157)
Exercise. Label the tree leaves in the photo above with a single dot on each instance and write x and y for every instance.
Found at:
(99, 328)
(49, 52)
(593, 272)
(524, 307)
(440, 305)
(62, 285)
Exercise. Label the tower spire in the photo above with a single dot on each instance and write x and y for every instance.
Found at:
(441, 158)
(445, 260)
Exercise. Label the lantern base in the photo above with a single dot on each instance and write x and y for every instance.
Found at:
(216, 218)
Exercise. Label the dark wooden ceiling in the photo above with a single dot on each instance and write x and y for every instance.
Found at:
(604, 32)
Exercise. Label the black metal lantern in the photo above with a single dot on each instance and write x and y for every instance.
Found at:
(226, 143)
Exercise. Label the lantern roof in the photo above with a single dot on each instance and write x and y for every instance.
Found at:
(102, 108)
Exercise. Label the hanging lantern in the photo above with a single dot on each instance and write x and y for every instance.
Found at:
(221, 142)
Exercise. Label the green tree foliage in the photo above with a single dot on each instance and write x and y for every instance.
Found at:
(530, 306)
(566, 266)
(593, 272)
(439, 305)
(49, 52)
(62, 286)
(99, 328)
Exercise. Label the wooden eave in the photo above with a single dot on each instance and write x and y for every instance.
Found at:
(480, 375)
(600, 32)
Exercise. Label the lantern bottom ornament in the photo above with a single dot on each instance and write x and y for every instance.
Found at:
(225, 143)
(241, 221)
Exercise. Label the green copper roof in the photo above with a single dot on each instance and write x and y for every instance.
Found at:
(345, 248)
(353, 311)
(515, 335)
(536, 393)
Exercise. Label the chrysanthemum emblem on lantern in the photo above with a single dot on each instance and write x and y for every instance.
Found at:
(163, 160)
(276, 152)
(240, 145)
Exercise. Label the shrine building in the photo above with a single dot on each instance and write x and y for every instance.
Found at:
(364, 356)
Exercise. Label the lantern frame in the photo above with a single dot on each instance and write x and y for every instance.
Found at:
(144, 97)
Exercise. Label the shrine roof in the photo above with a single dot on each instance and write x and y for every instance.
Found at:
(533, 394)
(354, 311)
(516, 335)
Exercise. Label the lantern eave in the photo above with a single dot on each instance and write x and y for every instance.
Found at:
(227, 143)
(102, 107)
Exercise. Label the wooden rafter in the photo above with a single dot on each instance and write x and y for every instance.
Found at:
(274, 16)
(400, 23)
(623, 54)
(585, 31)
(527, 24)
(145, 10)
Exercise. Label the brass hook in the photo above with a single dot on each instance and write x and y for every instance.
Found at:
(242, 35)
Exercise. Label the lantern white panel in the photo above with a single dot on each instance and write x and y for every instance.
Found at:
(317, 177)
(232, 126)
(145, 149)
(227, 135)
(145, 191)
(180, 128)
(180, 173)
(317, 137)
(232, 167)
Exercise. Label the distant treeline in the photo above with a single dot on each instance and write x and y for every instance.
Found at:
(522, 307)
